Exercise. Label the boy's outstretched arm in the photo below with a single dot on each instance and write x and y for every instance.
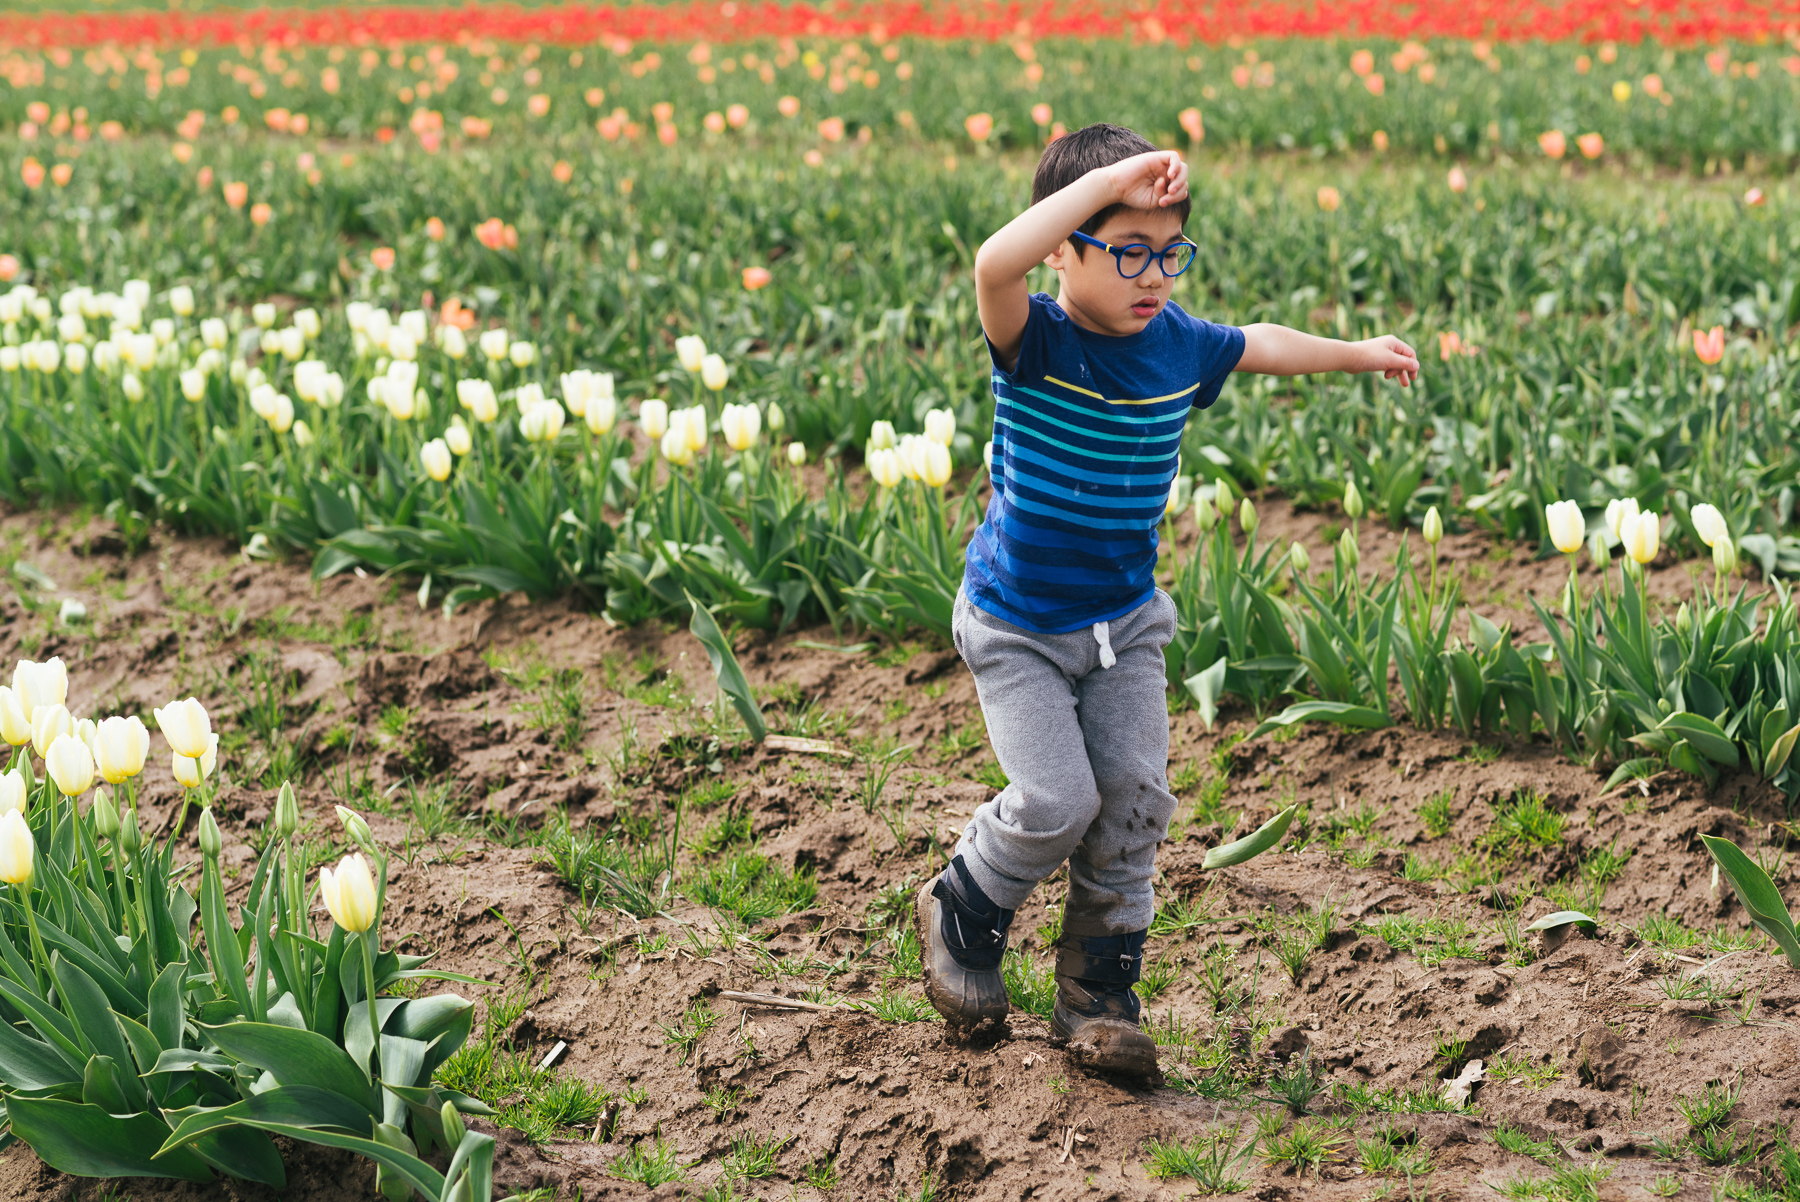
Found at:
(1273, 350)
(1151, 180)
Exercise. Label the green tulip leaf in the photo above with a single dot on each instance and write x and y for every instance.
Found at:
(1762, 901)
(1252, 845)
(31, 1064)
(1563, 918)
(1642, 768)
(295, 1105)
(1704, 736)
(86, 1141)
(725, 667)
(1342, 713)
(1777, 756)
(1207, 687)
(295, 1058)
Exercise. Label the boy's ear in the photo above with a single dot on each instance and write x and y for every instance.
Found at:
(1058, 259)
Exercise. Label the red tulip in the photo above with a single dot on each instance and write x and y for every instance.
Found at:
(1710, 346)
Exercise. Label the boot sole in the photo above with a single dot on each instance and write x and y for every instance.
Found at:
(1123, 1057)
(924, 906)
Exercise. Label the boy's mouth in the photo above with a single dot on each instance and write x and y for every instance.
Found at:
(1146, 307)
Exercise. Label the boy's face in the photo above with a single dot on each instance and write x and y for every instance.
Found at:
(1093, 292)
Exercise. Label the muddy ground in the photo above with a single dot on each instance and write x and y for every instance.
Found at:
(1383, 949)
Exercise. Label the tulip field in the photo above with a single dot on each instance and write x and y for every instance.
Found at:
(482, 493)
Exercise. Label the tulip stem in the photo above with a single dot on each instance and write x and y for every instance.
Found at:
(368, 958)
(39, 956)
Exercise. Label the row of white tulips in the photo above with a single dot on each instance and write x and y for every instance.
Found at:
(1638, 531)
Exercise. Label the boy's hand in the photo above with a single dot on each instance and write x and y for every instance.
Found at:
(1391, 357)
(1152, 180)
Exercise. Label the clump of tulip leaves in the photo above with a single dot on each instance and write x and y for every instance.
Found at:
(130, 1047)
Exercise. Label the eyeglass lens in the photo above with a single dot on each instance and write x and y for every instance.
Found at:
(1174, 260)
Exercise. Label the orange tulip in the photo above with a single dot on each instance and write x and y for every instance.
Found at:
(1710, 346)
(182, 152)
(562, 172)
(491, 233)
(434, 229)
(1191, 123)
(32, 172)
(832, 129)
(663, 111)
(261, 214)
(788, 106)
(237, 193)
(1754, 197)
(1041, 113)
(979, 125)
(737, 116)
(1329, 199)
(9, 267)
(1376, 85)
(1553, 143)
(383, 258)
(203, 178)
(756, 277)
(666, 133)
(61, 174)
(1362, 62)
(538, 106)
(1592, 145)
(1379, 140)
(714, 122)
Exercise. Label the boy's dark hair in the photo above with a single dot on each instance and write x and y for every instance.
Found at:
(1075, 154)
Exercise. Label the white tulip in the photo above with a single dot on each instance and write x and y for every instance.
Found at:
(71, 328)
(401, 344)
(1709, 523)
(214, 333)
(602, 412)
(282, 419)
(163, 330)
(137, 292)
(181, 300)
(36, 684)
(933, 462)
(331, 390)
(1642, 536)
(121, 746)
(357, 314)
(127, 316)
(740, 424)
(1567, 527)
(415, 323)
(690, 349)
(16, 849)
(796, 453)
(193, 384)
(494, 343)
(453, 342)
(349, 893)
(132, 387)
(714, 374)
(1620, 512)
(884, 466)
(293, 343)
(262, 400)
(456, 437)
(653, 418)
(263, 315)
(697, 433)
(576, 387)
(522, 354)
(542, 422)
(12, 791)
(308, 374)
(881, 436)
(940, 426)
(436, 459)
(377, 327)
(303, 435)
(9, 359)
(675, 445)
(75, 358)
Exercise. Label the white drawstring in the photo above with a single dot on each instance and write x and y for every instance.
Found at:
(1103, 636)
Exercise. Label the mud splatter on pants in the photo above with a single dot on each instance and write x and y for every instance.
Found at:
(1086, 749)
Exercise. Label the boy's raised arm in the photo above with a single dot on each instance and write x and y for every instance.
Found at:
(1273, 350)
(1146, 181)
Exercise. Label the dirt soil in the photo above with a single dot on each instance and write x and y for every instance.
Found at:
(402, 710)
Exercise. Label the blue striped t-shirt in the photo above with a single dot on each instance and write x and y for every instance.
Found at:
(1087, 431)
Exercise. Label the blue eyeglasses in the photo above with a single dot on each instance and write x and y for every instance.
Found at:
(1135, 259)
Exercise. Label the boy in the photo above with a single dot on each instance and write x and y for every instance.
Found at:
(1059, 617)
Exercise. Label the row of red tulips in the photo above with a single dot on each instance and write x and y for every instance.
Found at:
(1675, 22)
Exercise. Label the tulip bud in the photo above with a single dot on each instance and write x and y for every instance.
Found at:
(130, 839)
(1299, 562)
(1247, 517)
(1684, 620)
(1434, 527)
(495, 343)
(435, 457)
(15, 724)
(796, 453)
(1180, 492)
(1353, 500)
(193, 384)
(212, 842)
(1347, 551)
(355, 826)
(653, 419)
(1205, 516)
(453, 1126)
(775, 419)
(287, 811)
(1725, 558)
(105, 815)
(1222, 496)
(522, 354)
(690, 349)
(1598, 552)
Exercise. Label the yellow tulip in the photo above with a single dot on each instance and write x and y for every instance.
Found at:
(16, 848)
(187, 728)
(349, 892)
(71, 765)
(191, 770)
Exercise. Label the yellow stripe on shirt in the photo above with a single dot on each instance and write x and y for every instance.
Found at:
(1108, 401)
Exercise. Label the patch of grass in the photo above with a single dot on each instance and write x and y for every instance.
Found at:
(1305, 1145)
(1720, 1146)
(1209, 806)
(894, 1006)
(1296, 1085)
(1711, 1106)
(752, 1156)
(685, 1034)
(1437, 813)
(990, 774)
(1207, 1161)
(1156, 977)
(1525, 1071)
(650, 1162)
(1383, 1155)
(822, 1174)
(1525, 821)
(1030, 984)
(751, 886)
(1659, 930)
(1183, 912)
(1433, 940)
(540, 1103)
(1515, 1140)
(960, 740)
(1376, 1099)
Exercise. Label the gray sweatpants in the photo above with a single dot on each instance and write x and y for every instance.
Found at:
(1086, 749)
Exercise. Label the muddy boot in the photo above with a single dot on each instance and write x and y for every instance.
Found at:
(1096, 1012)
(962, 937)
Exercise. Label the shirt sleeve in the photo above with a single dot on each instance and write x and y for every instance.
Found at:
(1217, 350)
(1033, 343)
